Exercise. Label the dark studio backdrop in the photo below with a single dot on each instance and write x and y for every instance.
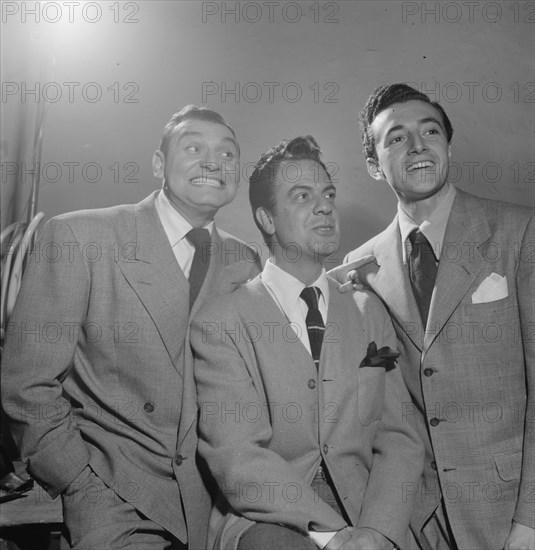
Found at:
(108, 75)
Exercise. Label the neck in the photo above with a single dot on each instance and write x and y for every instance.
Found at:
(195, 217)
(421, 210)
(305, 271)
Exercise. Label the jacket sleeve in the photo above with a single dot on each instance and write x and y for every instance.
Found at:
(41, 342)
(398, 454)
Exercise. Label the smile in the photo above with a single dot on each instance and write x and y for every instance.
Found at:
(419, 165)
(210, 182)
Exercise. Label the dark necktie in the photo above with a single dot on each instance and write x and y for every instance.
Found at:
(200, 239)
(423, 272)
(314, 321)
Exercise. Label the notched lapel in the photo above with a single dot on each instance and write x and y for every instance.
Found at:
(393, 285)
(460, 261)
(158, 281)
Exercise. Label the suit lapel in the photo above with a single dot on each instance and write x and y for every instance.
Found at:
(156, 277)
(460, 261)
(391, 282)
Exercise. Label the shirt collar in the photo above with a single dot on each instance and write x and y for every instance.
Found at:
(175, 225)
(433, 228)
(286, 288)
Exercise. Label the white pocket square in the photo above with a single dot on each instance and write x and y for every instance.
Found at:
(493, 288)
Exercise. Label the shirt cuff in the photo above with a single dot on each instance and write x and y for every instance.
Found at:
(321, 539)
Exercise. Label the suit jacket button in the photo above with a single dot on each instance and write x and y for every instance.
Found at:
(428, 372)
(148, 406)
(434, 422)
(179, 459)
(312, 383)
(434, 465)
(326, 449)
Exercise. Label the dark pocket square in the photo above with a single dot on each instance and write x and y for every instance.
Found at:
(384, 357)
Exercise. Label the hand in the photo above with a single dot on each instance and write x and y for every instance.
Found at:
(347, 276)
(365, 538)
(520, 537)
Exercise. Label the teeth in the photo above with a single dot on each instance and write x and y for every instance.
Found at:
(424, 164)
(206, 181)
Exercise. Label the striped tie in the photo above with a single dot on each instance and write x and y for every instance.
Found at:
(314, 321)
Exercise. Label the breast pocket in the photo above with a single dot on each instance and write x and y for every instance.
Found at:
(371, 394)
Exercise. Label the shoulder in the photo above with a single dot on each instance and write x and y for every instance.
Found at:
(97, 221)
(497, 213)
(235, 304)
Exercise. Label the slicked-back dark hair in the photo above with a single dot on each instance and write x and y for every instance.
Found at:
(382, 98)
(191, 112)
(262, 180)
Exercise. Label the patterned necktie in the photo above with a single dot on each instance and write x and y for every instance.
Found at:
(200, 239)
(423, 272)
(314, 321)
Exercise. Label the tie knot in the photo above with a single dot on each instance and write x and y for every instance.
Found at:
(310, 295)
(417, 237)
(198, 236)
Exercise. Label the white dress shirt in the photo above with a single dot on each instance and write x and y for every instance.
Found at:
(176, 228)
(433, 228)
(285, 290)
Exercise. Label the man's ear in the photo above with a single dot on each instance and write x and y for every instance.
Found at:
(374, 170)
(265, 219)
(158, 164)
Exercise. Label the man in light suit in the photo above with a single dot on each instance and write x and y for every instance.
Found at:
(463, 308)
(299, 396)
(97, 370)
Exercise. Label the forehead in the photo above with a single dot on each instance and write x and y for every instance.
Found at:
(404, 114)
(291, 173)
(202, 129)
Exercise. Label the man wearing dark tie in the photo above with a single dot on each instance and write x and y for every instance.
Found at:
(456, 273)
(299, 395)
(104, 411)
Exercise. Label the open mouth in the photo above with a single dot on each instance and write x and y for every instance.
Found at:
(420, 165)
(209, 182)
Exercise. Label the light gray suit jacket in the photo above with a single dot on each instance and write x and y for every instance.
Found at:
(97, 367)
(471, 374)
(268, 417)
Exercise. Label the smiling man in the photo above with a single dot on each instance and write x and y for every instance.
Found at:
(300, 398)
(104, 408)
(456, 272)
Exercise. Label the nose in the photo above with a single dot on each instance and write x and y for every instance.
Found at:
(209, 161)
(323, 206)
(416, 144)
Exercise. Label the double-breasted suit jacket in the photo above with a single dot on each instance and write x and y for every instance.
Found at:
(97, 367)
(268, 417)
(471, 373)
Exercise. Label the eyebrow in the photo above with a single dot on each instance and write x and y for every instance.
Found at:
(421, 121)
(190, 133)
(303, 187)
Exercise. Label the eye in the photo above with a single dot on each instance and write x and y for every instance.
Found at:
(331, 195)
(396, 139)
(227, 154)
(192, 148)
(302, 197)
